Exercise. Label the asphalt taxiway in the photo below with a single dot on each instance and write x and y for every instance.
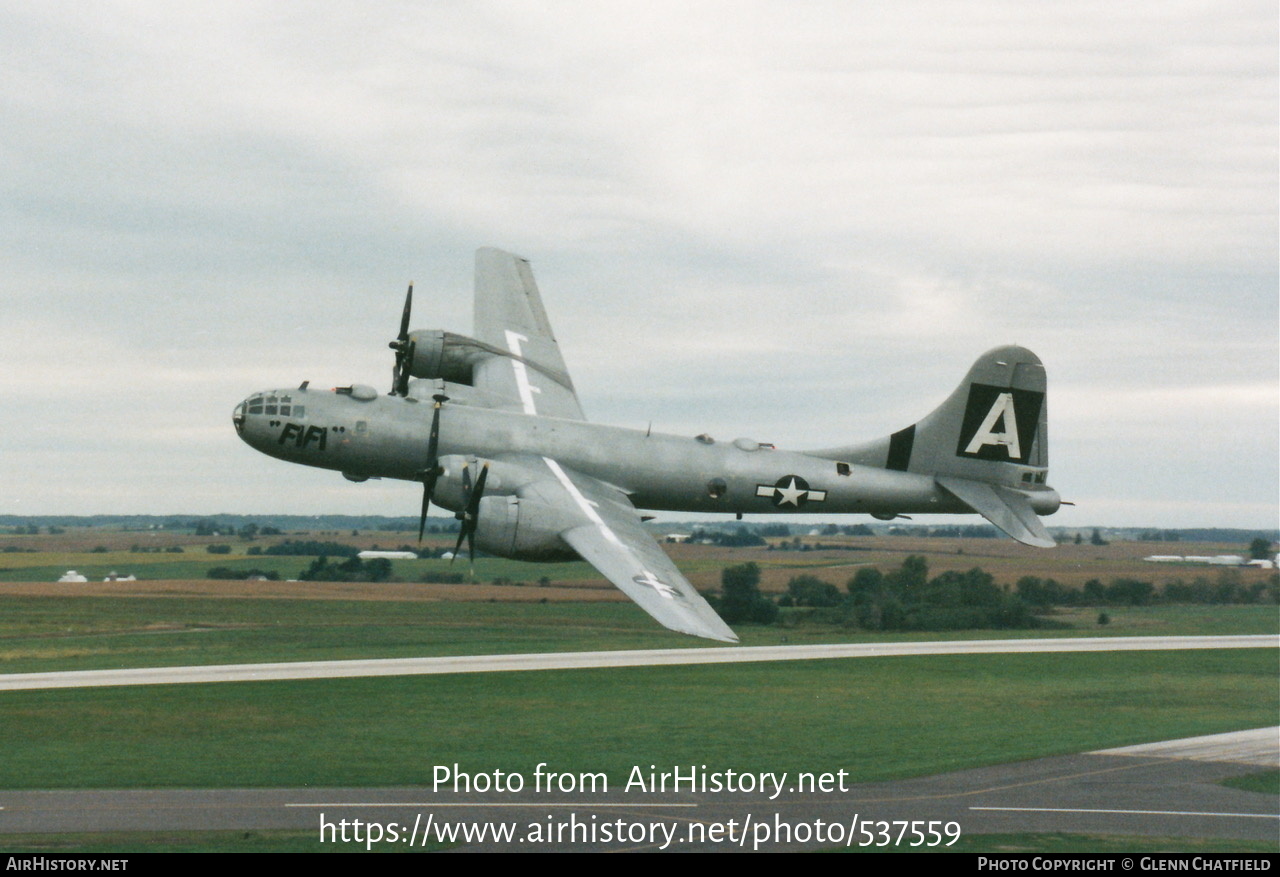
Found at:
(1167, 790)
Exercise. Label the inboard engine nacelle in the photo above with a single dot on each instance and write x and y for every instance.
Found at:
(435, 353)
(521, 528)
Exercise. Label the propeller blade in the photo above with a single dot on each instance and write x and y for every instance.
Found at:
(404, 349)
(432, 472)
(404, 317)
(470, 514)
(474, 512)
(462, 515)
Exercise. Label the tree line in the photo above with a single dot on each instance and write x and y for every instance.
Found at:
(907, 598)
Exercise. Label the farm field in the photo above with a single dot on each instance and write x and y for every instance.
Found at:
(956, 711)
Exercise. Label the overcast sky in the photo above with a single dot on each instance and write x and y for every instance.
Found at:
(795, 222)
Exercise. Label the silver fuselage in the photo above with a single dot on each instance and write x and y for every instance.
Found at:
(386, 437)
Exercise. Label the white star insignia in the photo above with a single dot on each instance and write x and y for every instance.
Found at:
(654, 582)
(791, 494)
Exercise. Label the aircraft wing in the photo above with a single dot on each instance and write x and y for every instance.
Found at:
(602, 525)
(509, 316)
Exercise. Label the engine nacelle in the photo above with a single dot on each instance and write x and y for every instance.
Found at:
(440, 354)
(522, 529)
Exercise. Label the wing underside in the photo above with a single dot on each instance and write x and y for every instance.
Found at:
(605, 529)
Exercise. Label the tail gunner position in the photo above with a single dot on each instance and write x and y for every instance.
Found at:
(493, 430)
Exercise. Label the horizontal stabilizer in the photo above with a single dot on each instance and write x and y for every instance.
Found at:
(1007, 509)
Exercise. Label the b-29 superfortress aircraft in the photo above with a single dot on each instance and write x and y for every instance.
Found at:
(492, 428)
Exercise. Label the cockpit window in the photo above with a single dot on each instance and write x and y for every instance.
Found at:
(272, 405)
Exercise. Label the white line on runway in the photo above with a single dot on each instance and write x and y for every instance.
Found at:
(582, 660)
(1132, 812)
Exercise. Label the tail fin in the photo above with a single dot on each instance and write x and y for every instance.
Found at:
(987, 444)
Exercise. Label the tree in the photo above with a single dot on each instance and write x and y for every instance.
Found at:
(866, 584)
(1260, 548)
(913, 573)
(1096, 538)
(809, 590)
(741, 600)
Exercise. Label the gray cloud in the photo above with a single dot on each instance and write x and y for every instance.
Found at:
(800, 223)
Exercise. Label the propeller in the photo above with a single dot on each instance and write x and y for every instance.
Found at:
(404, 349)
(470, 514)
(432, 471)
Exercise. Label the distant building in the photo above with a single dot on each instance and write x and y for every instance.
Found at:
(114, 576)
(72, 576)
(1216, 560)
(389, 555)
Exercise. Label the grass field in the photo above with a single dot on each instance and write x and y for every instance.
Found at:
(876, 718)
(858, 715)
(60, 633)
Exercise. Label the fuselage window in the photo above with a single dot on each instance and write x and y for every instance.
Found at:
(362, 426)
(842, 468)
(716, 488)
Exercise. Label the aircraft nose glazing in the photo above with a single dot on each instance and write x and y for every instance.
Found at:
(237, 417)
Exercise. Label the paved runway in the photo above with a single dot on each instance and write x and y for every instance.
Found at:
(576, 660)
(1168, 789)
(1144, 792)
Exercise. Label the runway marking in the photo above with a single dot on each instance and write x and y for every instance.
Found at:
(621, 658)
(1131, 812)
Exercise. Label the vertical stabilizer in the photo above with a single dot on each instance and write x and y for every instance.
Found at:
(987, 444)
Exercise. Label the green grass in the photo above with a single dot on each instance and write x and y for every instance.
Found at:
(125, 842)
(957, 712)
(1061, 843)
(55, 633)
(1267, 782)
(48, 634)
(40, 634)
